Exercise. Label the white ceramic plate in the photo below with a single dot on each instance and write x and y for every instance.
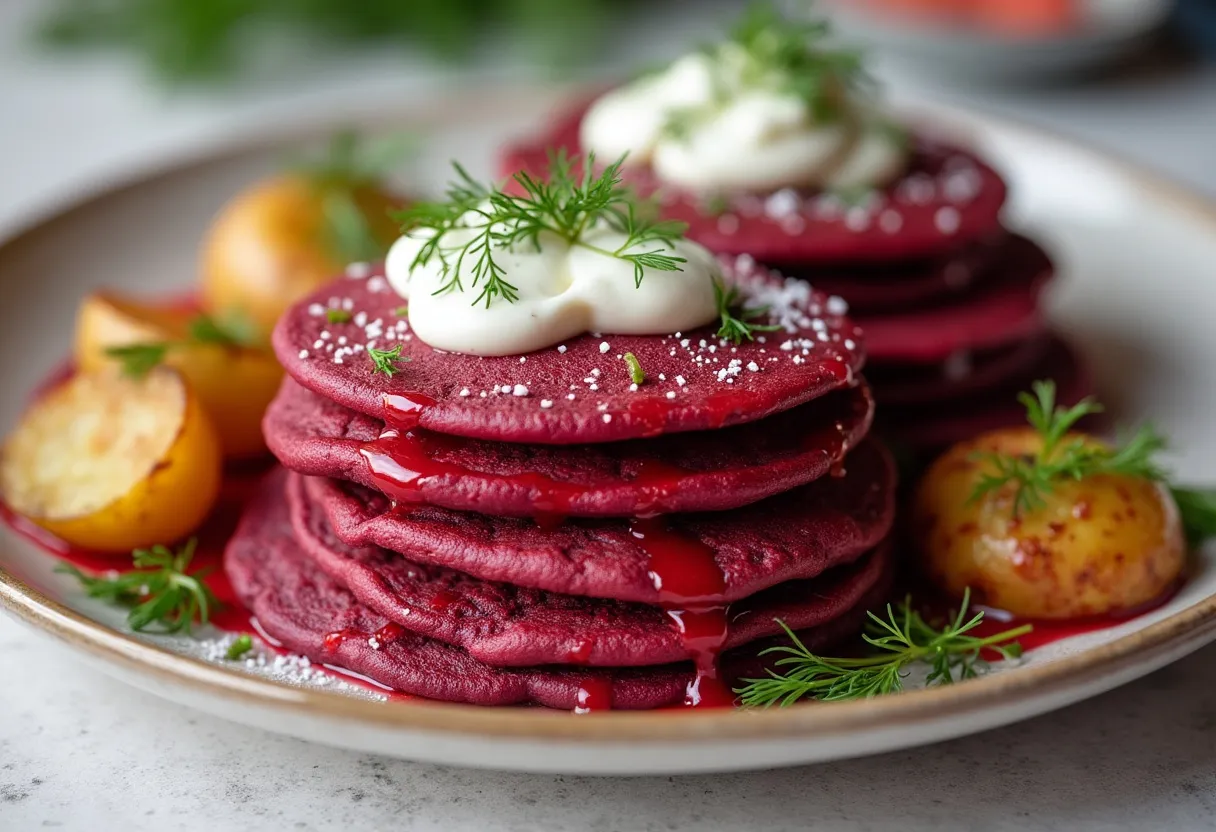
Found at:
(1109, 29)
(1137, 295)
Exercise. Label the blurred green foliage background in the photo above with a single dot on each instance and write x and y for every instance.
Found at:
(209, 40)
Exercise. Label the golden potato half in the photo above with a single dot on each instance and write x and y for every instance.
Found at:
(270, 246)
(235, 384)
(1103, 545)
(111, 464)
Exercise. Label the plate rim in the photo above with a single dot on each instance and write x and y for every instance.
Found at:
(1194, 625)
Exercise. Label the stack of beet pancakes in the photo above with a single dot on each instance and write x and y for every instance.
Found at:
(948, 298)
(543, 529)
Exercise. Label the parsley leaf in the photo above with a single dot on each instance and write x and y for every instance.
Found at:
(163, 595)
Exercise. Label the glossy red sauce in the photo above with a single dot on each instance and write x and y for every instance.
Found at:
(594, 694)
(231, 616)
(1048, 631)
(402, 464)
(688, 580)
(403, 410)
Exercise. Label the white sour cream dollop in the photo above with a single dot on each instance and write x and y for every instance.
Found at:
(738, 135)
(564, 290)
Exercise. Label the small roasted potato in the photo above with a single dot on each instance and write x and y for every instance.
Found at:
(274, 244)
(235, 384)
(1102, 545)
(109, 463)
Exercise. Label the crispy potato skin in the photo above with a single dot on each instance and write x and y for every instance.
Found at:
(235, 385)
(266, 249)
(1105, 545)
(167, 504)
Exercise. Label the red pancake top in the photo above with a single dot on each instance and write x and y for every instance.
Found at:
(946, 197)
(579, 391)
(698, 471)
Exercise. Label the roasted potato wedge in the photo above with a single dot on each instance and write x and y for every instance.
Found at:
(270, 246)
(1103, 545)
(109, 463)
(234, 384)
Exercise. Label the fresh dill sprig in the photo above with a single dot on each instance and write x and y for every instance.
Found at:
(1033, 476)
(897, 640)
(163, 595)
(636, 374)
(736, 318)
(241, 645)
(567, 204)
(337, 316)
(768, 50)
(797, 57)
(137, 360)
(385, 361)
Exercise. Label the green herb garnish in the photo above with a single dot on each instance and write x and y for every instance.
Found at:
(898, 640)
(241, 645)
(566, 205)
(1034, 476)
(137, 360)
(385, 361)
(737, 319)
(636, 374)
(1060, 458)
(401, 311)
(163, 595)
(768, 50)
(337, 316)
(349, 164)
(1198, 510)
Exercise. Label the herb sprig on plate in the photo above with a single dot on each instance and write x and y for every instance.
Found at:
(897, 640)
(568, 204)
(162, 592)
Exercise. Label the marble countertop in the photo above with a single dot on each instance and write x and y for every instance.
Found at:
(80, 751)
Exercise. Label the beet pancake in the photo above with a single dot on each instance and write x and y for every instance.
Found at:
(795, 535)
(578, 392)
(875, 288)
(311, 614)
(946, 197)
(506, 625)
(963, 374)
(933, 426)
(701, 471)
(1004, 310)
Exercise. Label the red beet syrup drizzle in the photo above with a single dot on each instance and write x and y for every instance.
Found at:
(240, 484)
(1048, 631)
(689, 580)
(402, 464)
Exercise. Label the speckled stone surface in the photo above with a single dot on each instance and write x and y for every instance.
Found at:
(79, 751)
